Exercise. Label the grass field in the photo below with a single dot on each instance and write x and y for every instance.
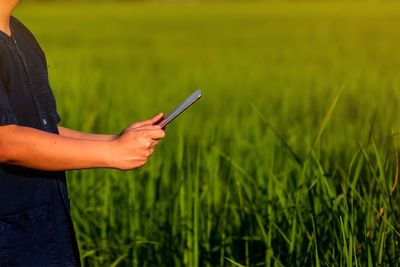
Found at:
(290, 159)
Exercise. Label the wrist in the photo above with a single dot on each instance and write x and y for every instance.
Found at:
(109, 155)
(114, 137)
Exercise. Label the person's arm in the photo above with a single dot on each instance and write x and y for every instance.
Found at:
(37, 149)
(32, 148)
(66, 132)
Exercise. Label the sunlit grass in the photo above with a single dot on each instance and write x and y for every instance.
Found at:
(274, 167)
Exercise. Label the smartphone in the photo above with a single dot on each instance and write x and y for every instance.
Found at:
(181, 108)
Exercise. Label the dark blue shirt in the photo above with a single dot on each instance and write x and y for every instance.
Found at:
(35, 224)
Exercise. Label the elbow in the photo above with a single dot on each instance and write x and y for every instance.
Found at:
(5, 144)
(4, 153)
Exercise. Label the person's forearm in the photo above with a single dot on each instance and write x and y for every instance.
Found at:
(66, 132)
(37, 149)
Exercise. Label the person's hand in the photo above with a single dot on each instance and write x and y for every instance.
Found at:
(135, 145)
(151, 121)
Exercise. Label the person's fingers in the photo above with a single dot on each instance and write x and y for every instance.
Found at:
(150, 146)
(145, 127)
(151, 151)
(150, 131)
(157, 118)
(156, 134)
(151, 121)
(153, 144)
(148, 143)
(152, 134)
(141, 163)
(140, 124)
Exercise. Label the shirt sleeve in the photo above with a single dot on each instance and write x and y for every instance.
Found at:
(7, 116)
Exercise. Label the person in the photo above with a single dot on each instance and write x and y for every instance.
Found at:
(35, 151)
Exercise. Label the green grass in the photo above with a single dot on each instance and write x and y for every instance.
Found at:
(288, 160)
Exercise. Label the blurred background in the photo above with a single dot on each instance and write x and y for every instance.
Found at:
(290, 158)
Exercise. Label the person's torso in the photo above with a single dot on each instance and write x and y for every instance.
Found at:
(31, 201)
(24, 73)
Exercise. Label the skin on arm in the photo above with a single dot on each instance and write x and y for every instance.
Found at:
(32, 148)
(66, 132)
